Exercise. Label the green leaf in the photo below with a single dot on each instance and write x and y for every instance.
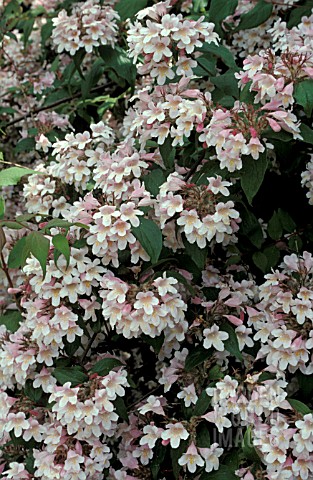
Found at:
(74, 375)
(227, 83)
(57, 222)
(46, 31)
(248, 448)
(2, 207)
(121, 409)
(118, 60)
(299, 406)
(158, 457)
(303, 95)
(275, 229)
(223, 473)
(18, 254)
(252, 175)
(12, 175)
(286, 221)
(255, 17)
(218, 11)
(306, 133)
(156, 342)
(150, 237)
(11, 319)
(39, 246)
(167, 152)
(92, 77)
(61, 244)
(25, 145)
(128, 8)
(221, 52)
(154, 180)
(27, 29)
(273, 255)
(203, 439)
(297, 13)
(260, 260)
(206, 64)
(197, 254)
(251, 228)
(104, 366)
(176, 453)
(231, 344)
(203, 403)
(34, 394)
(196, 357)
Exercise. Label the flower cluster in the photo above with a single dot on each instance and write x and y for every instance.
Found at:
(162, 35)
(198, 212)
(89, 25)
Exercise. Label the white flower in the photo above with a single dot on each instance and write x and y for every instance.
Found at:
(213, 336)
(191, 458)
(175, 433)
(189, 395)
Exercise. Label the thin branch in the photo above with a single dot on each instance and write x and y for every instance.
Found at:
(7, 274)
(88, 346)
(52, 105)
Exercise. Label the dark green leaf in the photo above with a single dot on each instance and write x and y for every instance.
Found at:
(61, 244)
(231, 344)
(150, 237)
(25, 145)
(223, 473)
(286, 221)
(303, 95)
(227, 83)
(299, 406)
(272, 254)
(252, 175)
(275, 229)
(203, 403)
(218, 11)
(154, 180)
(11, 319)
(18, 254)
(306, 133)
(12, 175)
(104, 366)
(176, 453)
(167, 152)
(92, 78)
(27, 29)
(203, 439)
(121, 409)
(46, 31)
(221, 52)
(74, 375)
(34, 394)
(197, 254)
(248, 448)
(260, 260)
(158, 457)
(39, 246)
(129, 8)
(297, 13)
(196, 357)
(118, 60)
(255, 17)
(251, 228)
(2, 207)
(156, 342)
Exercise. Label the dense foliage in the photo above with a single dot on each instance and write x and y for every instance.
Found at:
(155, 239)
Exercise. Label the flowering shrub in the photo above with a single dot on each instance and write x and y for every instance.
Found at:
(156, 295)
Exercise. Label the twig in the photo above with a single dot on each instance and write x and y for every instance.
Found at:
(91, 340)
(52, 105)
(7, 274)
